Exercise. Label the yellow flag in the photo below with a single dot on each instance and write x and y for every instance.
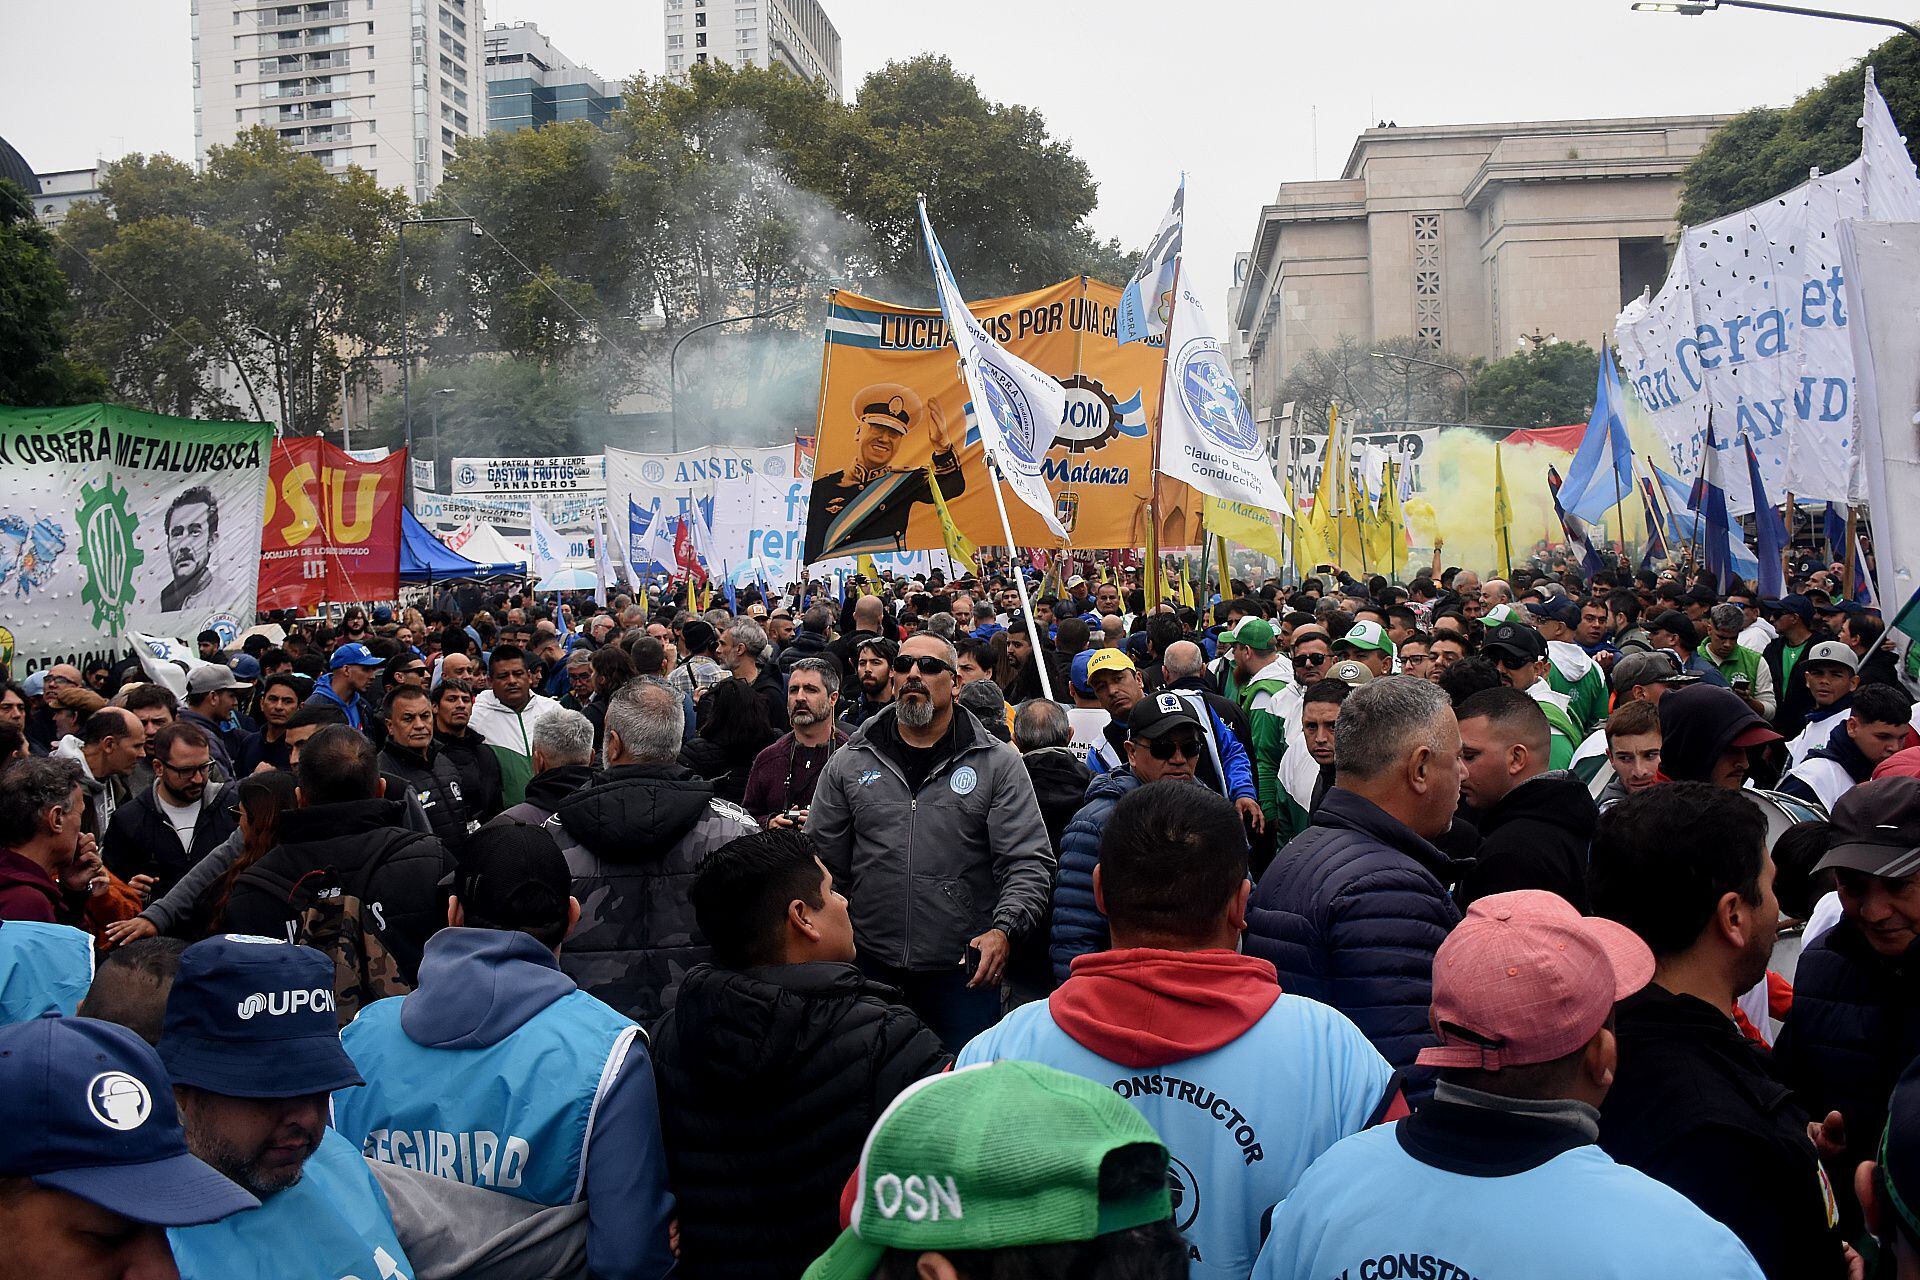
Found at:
(864, 566)
(1393, 524)
(1153, 588)
(959, 548)
(1502, 519)
(1251, 527)
(646, 610)
(1324, 520)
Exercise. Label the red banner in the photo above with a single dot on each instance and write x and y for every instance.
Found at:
(332, 526)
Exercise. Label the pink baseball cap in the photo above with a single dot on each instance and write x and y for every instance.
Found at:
(1525, 979)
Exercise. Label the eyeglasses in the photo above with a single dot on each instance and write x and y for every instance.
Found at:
(1311, 659)
(927, 663)
(1166, 748)
(187, 770)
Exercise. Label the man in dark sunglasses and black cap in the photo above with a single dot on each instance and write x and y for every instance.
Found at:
(930, 825)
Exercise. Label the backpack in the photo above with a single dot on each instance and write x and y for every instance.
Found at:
(340, 920)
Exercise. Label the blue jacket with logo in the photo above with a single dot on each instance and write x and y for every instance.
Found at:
(1246, 1086)
(1452, 1195)
(333, 1223)
(497, 1071)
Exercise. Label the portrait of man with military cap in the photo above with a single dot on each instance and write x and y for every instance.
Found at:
(864, 506)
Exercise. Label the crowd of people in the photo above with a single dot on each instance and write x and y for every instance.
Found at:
(1555, 924)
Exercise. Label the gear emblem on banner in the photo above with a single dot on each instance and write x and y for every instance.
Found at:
(107, 554)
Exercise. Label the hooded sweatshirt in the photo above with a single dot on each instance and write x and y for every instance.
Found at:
(498, 1072)
(1246, 1086)
(1696, 724)
(1535, 837)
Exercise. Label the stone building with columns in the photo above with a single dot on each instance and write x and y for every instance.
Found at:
(1470, 238)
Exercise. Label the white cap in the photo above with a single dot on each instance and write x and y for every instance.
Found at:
(1834, 651)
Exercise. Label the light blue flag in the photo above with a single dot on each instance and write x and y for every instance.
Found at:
(1601, 475)
(1770, 530)
(1145, 302)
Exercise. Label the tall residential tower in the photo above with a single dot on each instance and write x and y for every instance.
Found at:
(389, 85)
(795, 34)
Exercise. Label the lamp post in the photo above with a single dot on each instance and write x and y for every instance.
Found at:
(673, 358)
(1466, 385)
(406, 353)
(1694, 8)
(435, 399)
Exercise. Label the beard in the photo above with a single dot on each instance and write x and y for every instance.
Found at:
(249, 1170)
(915, 714)
(803, 717)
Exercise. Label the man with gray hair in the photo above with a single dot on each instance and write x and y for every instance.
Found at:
(562, 765)
(743, 652)
(1352, 910)
(781, 782)
(632, 838)
(1742, 668)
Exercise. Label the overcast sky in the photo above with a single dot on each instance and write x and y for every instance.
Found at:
(1228, 91)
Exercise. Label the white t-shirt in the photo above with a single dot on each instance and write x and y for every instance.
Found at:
(182, 820)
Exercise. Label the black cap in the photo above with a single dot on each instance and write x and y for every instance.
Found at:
(513, 877)
(699, 635)
(1517, 639)
(1876, 829)
(1155, 715)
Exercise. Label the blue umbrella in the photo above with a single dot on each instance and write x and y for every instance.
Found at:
(569, 580)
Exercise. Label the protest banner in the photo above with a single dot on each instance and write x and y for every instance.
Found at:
(1405, 449)
(579, 473)
(750, 498)
(1750, 327)
(112, 520)
(886, 363)
(332, 526)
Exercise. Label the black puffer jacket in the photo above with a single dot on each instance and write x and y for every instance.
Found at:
(435, 782)
(337, 841)
(632, 841)
(479, 770)
(1535, 837)
(545, 791)
(1854, 1027)
(769, 1081)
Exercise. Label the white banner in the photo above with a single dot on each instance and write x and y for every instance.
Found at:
(1751, 327)
(114, 521)
(582, 473)
(575, 514)
(755, 506)
(1407, 449)
(1207, 437)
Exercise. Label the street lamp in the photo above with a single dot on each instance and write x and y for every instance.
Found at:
(673, 358)
(435, 399)
(1694, 8)
(406, 354)
(1466, 386)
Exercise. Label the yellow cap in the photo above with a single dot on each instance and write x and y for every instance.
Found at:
(1108, 660)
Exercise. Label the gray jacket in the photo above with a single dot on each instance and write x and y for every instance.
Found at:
(924, 873)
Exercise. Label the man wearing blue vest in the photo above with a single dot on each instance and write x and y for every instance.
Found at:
(1246, 1086)
(1499, 1174)
(252, 1045)
(500, 1073)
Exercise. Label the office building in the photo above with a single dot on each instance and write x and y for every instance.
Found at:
(388, 85)
(530, 83)
(1473, 239)
(795, 34)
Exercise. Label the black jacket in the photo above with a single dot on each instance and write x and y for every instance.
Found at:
(632, 841)
(705, 758)
(770, 687)
(140, 840)
(336, 841)
(1794, 698)
(1703, 1109)
(805, 644)
(1880, 667)
(769, 1080)
(545, 791)
(435, 782)
(1060, 778)
(1535, 837)
(1854, 1026)
(478, 767)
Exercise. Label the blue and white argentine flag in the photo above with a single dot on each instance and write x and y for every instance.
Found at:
(1018, 408)
(1148, 297)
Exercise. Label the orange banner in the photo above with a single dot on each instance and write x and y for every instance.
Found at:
(893, 406)
(332, 526)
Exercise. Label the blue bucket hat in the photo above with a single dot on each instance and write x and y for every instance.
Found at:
(254, 1017)
(86, 1108)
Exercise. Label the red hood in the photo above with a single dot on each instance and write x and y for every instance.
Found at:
(1145, 1007)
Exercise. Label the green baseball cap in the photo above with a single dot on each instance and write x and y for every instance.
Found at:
(1366, 635)
(997, 1156)
(1255, 633)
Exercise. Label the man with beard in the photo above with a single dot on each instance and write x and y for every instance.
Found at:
(933, 831)
(1695, 1103)
(254, 1053)
(184, 816)
(873, 679)
(193, 529)
(780, 784)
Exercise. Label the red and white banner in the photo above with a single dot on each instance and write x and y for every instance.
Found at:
(332, 526)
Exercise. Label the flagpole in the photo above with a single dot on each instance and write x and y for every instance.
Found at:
(1853, 513)
(1159, 413)
(1019, 579)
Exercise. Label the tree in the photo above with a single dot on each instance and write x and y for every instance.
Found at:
(1550, 385)
(1768, 150)
(498, 406)
(35, 368)
(1372, 393)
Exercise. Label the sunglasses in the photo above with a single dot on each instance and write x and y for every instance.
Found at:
(1166, 748)
(1311, 659)
(928, 665)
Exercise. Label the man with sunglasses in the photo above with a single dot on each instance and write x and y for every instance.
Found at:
(930, 825)
(164, 831)
(1225, 765)
(1521, 654)
(1165, 743)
